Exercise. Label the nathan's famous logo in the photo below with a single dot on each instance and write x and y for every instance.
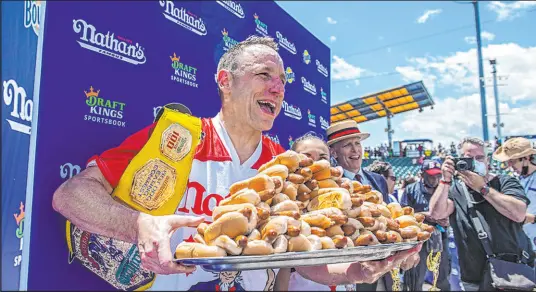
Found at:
(102, 110)
(273, 138)
(262, 28)
(183, 73)
(290, 142)
(233, 7)
(323, 123)
(306, 57)
(32, 15)
(108, 44)
(19, 219)
(69, 170)
(285, 43)
(290, 75)
(292, 111)
(312, 118)
(15, 97)
(324, 95)
(184, 18)
(229, 42)
(321, 68)
(308, 86)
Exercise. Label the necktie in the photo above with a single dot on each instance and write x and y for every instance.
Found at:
(358, 177)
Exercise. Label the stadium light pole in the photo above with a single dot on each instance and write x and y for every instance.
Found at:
(498, 124)
(483, 106)
(481, 74)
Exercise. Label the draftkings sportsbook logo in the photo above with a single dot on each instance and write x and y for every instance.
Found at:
(312, 118)
(15, 97)
(102, 110)
(290, 75)
(292, 111)
(323, 95)
(32, 15)
(321, 68)
(233, 7)
(261, 28)
(19, 219)
(273, 138)
(183, 17)
(308, 86)
(108, 44)
(306, 57)
(290, 142)
(229, 42)
(285, 43)
(323, 123)
(183, 73)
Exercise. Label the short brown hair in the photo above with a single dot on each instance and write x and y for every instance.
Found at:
(229, 59)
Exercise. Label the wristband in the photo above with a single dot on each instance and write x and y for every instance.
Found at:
(442, 181)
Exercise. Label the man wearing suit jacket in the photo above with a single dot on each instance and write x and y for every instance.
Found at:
(344, 140)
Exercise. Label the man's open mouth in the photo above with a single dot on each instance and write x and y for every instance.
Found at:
(355, 157)
(267, 106)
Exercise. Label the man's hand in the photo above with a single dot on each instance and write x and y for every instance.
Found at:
(472, 180)
(154, 236)
(374, 270)
(360, 272)
(443, 222)
(529, 218)
(447, 169)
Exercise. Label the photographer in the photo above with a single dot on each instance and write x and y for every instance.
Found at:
(500, 204)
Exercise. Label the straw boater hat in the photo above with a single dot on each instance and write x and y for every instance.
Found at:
(344, 130)
(514, 148)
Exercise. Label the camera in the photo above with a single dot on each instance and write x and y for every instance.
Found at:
(464, 163)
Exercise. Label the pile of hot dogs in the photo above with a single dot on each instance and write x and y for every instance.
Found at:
(294, 204)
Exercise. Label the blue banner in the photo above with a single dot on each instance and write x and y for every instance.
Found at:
(20, 28)
(106, 68)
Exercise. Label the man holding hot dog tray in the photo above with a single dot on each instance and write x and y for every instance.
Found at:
(251, 84)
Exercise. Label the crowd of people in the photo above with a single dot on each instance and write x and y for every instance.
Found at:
(250, 78)
(385, 151)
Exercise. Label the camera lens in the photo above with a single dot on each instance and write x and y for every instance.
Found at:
(461, 165)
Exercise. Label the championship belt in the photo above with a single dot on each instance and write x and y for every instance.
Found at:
(154, 182)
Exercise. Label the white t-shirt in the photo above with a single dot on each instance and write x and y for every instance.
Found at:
(529, 184)
(215, 167)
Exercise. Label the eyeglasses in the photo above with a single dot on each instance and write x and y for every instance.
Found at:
(393, 178)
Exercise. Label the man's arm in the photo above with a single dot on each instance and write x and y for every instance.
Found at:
(510, 207)
(85, 200)
(440, 205)
(508, 204)
(360, 272)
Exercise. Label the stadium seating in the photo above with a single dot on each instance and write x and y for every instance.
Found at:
(402, 166)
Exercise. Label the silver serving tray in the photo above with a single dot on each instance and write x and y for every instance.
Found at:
(297, 259)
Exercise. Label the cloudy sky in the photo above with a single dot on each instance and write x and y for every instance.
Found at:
(379, 45)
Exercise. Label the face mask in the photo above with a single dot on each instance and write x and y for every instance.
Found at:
(480, 168)
(525, 168)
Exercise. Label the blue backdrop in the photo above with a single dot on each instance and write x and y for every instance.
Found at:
(19, 43)
(106, 68)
